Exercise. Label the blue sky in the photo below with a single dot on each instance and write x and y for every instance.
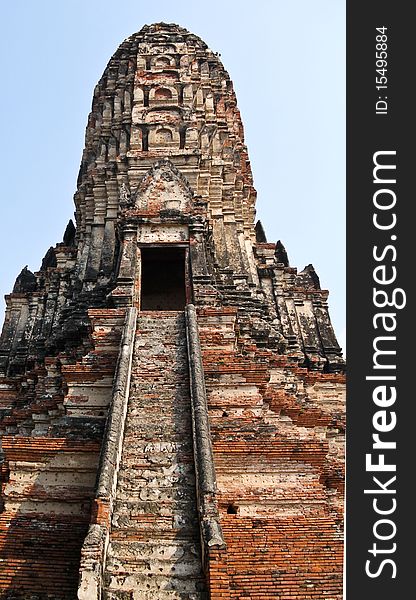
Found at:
(287, 62)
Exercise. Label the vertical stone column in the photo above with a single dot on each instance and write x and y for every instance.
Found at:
(109, 240)
(329, 342)
(211, 533)
(15, 320)
(125, 294)
(280, 294)
(197, 249)
(97, 232)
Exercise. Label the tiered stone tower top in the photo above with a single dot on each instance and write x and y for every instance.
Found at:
(165, 96)
(165, 162)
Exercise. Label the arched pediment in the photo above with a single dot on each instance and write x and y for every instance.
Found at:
(163, 188)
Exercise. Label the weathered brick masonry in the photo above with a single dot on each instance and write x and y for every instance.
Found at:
(172, 391)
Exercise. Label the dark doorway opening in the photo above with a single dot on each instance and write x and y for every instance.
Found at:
(163, 279)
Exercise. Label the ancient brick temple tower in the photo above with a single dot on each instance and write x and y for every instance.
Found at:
(171, 399)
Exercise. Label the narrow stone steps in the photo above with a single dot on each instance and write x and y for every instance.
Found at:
(158, 432)
(152, 418)
(161, 463)
(182, 567)
(149, 508)
(160, 447)
(158, 524)
(164, 508)
(145, 415)
(170, 550)
(162, 477)
(158, 463)
(158, 458)
(183, 584)
(154, 549)
(134, 534)
(160, 494)
(161, 595)
(167, 412)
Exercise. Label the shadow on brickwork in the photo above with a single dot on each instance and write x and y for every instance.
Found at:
(40, 554)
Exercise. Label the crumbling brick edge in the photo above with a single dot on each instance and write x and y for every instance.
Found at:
(211, 533)
(95, 545)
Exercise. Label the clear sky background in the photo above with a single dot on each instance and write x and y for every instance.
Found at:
(287, 63)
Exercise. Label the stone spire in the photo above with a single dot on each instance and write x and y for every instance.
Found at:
(164, 94)
(169, 384)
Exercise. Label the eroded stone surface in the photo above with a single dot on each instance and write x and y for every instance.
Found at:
(154, 540)
(165, 165)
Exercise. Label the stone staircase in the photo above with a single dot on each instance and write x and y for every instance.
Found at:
(154, 550)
